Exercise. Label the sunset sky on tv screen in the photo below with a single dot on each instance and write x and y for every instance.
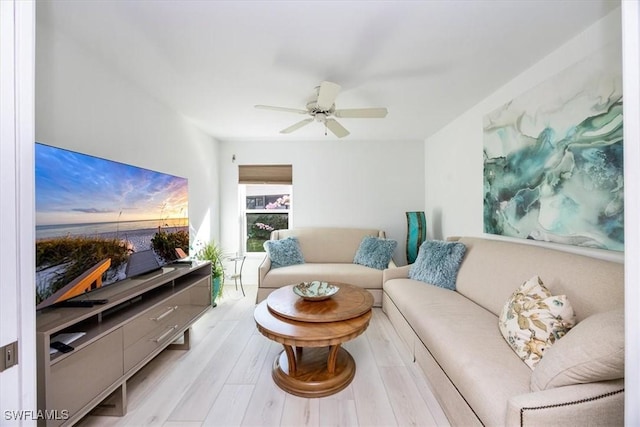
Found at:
(74, 188)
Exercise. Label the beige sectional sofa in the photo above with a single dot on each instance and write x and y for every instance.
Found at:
(477, 378)
(328, 254)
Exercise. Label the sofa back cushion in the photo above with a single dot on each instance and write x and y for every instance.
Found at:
(592, 351)
(492, 270)
(328, 244)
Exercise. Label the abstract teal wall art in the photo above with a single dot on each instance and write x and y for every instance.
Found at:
(553, 158)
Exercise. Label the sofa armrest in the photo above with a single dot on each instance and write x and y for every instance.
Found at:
(263, 269)
(600, 403)
(395, 273)
(265, 266)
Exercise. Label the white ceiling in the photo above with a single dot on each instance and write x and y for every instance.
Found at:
(426, 61)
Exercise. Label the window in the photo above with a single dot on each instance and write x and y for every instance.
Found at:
(266, 208)
(265, 202)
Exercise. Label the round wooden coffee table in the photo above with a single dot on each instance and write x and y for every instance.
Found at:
(318, 327)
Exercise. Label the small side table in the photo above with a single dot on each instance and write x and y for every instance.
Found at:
(237, 271)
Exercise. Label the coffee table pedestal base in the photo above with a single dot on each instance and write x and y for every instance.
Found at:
(312, 377)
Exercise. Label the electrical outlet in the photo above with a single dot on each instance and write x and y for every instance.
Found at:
(9, 355)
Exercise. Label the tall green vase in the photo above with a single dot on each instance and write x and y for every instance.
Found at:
(416, 234)
(215, 290)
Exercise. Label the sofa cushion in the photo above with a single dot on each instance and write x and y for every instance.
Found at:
(328, 244)
(438, 263)
(284, 252)
(375, 252)
(533, 319)
(492, 269)
(353, 274)
(592, 351)
(465, 341)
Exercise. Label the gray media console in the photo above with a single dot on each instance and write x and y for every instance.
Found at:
(143, 316)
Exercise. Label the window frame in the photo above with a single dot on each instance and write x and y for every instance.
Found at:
(243, 193)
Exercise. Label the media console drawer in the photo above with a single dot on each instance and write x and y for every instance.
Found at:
(83, 375)
(154, 319)
(161, 336)
(158, 338)
(158, 327)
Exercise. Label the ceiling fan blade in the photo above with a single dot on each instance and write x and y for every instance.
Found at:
(337, 129)
(284, 109)
(297, 125)
(327, 94)
(363, 113)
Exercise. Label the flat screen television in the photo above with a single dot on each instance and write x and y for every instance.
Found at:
(99, 222)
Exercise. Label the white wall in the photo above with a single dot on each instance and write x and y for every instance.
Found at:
(343, 183)
(631, 76)
(453, 156)
(84, 105)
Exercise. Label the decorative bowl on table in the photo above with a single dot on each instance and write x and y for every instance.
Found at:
(315, 290)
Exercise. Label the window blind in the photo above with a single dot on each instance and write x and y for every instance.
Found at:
(265, 174)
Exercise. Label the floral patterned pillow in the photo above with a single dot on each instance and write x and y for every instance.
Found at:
(533, 319)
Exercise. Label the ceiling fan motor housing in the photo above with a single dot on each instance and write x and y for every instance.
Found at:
(314, 110)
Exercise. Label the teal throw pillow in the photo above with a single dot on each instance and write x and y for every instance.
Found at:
(375, 252)
(284, 252)
(438, 263)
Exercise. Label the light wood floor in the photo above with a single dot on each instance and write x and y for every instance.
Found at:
(225, 380)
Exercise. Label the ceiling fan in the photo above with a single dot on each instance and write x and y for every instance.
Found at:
(322, 109)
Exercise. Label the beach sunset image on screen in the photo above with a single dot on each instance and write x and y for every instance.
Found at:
(93, 213)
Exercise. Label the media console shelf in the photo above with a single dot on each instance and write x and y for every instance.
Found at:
(143, 316)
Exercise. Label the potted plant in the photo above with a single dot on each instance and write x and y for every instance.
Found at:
(212, 252)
